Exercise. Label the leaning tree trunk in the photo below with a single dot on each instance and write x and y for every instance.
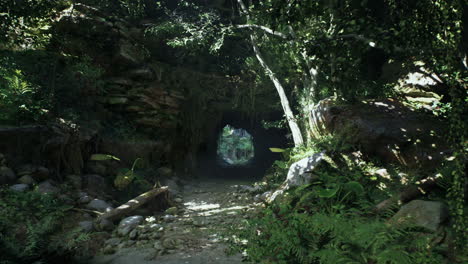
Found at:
(295, 130)
(132, 205)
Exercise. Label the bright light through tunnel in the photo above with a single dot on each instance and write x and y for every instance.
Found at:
(235, 147)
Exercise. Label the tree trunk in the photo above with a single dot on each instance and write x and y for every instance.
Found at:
(295, 130)
(293, 126)
(131, 205)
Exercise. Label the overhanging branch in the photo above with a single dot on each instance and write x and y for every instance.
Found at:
(263, 28)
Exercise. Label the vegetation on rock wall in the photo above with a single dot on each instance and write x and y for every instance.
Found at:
(155, 67)
(30, 227)
(333, 219)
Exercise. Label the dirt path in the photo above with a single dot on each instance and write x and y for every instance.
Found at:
(194, 234)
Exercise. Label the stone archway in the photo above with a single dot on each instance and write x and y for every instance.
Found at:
(263, 139)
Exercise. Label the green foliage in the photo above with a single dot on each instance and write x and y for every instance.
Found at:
(19, 98)
(27, 222)
(100, 157)
(193, 31)
(87, 72)
(26, 24)
(456, 193)
(130, 182)
(347, 42)
(331, 220)
(285, 236)
(36, 86)
(235, 146)
(326, 222)
(69, 241)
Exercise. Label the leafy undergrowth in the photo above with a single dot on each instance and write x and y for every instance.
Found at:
(331, 221)
(31, 228)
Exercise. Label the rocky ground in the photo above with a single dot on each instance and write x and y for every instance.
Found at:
(194, 232)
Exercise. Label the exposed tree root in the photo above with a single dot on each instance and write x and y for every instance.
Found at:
(408, 194)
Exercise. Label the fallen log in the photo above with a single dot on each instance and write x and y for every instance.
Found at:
(408, 194)
(131, 205)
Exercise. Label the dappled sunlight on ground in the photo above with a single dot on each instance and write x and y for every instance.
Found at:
(200, 206)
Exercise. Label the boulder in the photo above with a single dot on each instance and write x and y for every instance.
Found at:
(133, 234)
(86, 226)
(26, 179)
(387, 130)
(99, 205)
(426, 214)
(27, 169)
(38, 173)
(300, 172)
(128, 224)
(7, 175)
(84, 198)
(19, 187)
(171, 211)
(113, 242)
(104, 225)
(47, 188)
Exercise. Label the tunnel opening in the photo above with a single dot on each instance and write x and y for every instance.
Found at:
(235, 147)
(254, 165)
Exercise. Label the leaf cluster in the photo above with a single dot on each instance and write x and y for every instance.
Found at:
(27, 223)
(328, 221)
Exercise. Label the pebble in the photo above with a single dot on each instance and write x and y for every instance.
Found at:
(156, 235)
(169, 218)
(133, 234)
(171, 211)
(109, 250)
(170, 243)
(128, 224)
(158, 246)
(113, 241)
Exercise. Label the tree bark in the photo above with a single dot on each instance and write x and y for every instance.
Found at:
(294, 127)
(131, 205)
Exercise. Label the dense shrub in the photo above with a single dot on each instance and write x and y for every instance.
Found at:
(28, 222)
(330, 221)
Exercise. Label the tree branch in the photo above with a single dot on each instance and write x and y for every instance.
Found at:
(295, 130)
(265, 29)
(357, 37)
